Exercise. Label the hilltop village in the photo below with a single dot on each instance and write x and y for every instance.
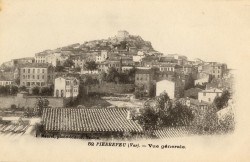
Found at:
(118, 87)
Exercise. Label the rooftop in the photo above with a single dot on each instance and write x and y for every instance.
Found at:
(36, 65)
(87, 120)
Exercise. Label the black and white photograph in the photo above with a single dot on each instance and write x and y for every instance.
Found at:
(132, 80)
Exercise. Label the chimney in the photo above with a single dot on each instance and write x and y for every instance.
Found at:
(129, 116)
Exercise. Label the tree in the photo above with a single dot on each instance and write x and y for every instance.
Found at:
(102, 76)
(112, 75)
(131, 75)
(90, 65)
(68, 63)
(180, 115)
(88, 80)
(47, 91)
(22, 88)
(222, 101)
(163, 113)
(3, 90)
(17, 81)
(124, 78)
(13, 90)
(41, 103)
(139, 91)
(59, 68)
(153, 116)
(35, 90)
(148, 119)
(77, 69)
(210, 122)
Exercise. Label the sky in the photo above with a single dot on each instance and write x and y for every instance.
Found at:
(210, 30)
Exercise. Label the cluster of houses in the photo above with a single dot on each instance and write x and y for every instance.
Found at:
(173, 74)
(195, 82)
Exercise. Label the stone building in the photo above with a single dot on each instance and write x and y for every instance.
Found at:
(40, 75)
(144, 81)
(216, 70)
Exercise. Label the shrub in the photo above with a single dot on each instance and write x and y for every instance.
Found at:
(13, 106)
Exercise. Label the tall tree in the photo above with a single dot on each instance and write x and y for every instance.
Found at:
(22, 88)
(222, 101)
(68, 63)
(102, 76)
(160, 112)
(35, 90)
(112, 75)
(41, 103)
(90, 65)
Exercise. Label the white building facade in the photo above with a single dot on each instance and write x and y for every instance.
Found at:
(209, 95)
(5, 82)
(66, 87)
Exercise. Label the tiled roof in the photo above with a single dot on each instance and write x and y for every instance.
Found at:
(171, 132)
(87, 120)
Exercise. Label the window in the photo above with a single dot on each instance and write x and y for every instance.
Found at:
(33, 76)
(28, 70)
(43, 70)
(28, 76)
(209, 99)
(43, 77)
(38, 70)
(23, 76)
(33, 70)
(204, 94)
(37, 76)
(24, 70)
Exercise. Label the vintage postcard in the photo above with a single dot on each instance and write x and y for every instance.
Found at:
(132, 80)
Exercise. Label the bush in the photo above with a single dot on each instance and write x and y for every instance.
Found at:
(13, 106)
(35, 90)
